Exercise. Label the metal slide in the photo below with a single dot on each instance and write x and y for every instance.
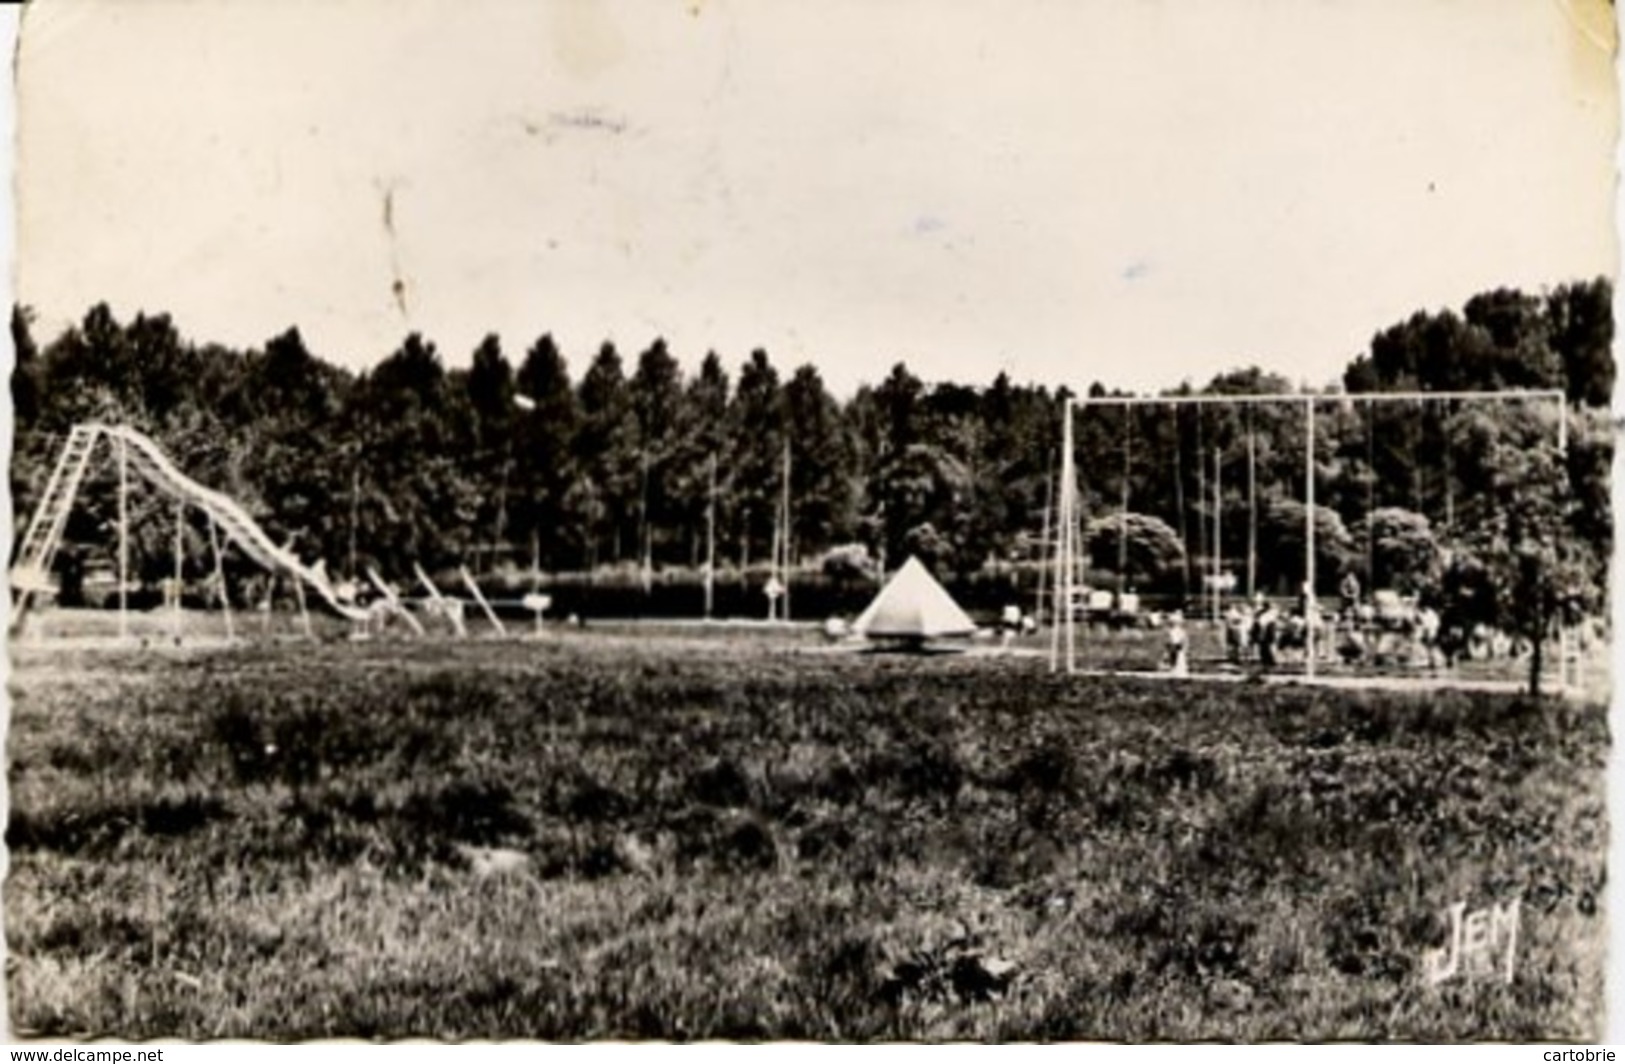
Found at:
(147, 457)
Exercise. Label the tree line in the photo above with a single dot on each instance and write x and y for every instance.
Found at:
(517, 461)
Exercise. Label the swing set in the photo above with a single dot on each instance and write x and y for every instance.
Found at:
(1069, 562)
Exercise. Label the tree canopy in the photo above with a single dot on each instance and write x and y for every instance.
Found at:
(492, 464)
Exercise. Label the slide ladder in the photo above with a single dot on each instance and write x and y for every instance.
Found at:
(148, 458)
(31, 571)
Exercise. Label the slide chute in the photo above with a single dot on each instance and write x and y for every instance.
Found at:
(29, 574)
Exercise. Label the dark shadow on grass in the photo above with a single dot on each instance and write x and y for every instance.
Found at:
(912, 648)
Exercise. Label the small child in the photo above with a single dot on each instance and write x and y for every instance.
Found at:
(1009, 625)
(1178, 662)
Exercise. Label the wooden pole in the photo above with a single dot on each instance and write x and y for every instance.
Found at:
(452, 612)
(395, 602)
(123, 539)
(220, 578)
(880, 548)
(1069, 540)
(1562, 622)
(1449, 470)
(1309, 540)
(1043, 569)
(1218, 547)
(1062, 605)
(485, 605)
(498, 541)
(180, 525)
(1252, 511)
(304, 614)
(645, 537)
(711, 538)
(1202, 540)
(1179, 504)
(785, 539)
(1122, 514)
(1370, 500)
(1418, 480)
(774, 584)
(355, 506)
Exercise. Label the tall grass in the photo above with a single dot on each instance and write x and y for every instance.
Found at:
(590, 840)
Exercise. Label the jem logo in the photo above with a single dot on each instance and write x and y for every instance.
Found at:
(1482, 945)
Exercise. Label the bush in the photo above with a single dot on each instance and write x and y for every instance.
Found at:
(849, 561)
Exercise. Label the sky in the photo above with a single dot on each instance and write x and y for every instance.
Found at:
(1137, 192)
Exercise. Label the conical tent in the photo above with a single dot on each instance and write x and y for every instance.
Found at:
(913, 605)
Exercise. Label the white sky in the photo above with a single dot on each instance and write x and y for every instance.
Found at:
(1133, 191)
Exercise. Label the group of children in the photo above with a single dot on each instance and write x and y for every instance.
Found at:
(1261, 629)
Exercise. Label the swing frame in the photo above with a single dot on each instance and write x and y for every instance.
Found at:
(1067, 538)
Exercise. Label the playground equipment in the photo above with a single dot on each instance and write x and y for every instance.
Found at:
(777, 589)
(30, 574)
(485, 604)
(392, 602)
(1066, 539)
(449, 608)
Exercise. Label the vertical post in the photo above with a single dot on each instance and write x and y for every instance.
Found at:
(1370, 497)
(775, 587)
(1416, 467)
(1179, 503)
(1201, 485)
(1252, 511)
(645, 537)
(1309, 610)
(304, 614)
(1043, 568)
(880, 561)
(1218, 543)
(499, 545)
(220, 577)
(123, 539)
(1058, 582)
(355, 505)
(1562, 621)
(1449, 469)
(1062, 609)
(1122, 513)
(784, 540)
(1069, 490)
(711, 536)
(180, 525)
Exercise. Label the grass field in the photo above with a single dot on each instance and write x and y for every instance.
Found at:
(606, 835)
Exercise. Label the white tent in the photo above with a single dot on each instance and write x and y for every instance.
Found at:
(913, 605)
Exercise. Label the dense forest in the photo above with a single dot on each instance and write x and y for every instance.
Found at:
(518, 463)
